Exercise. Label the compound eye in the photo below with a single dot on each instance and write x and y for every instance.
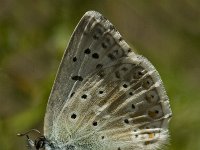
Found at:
(40, 142)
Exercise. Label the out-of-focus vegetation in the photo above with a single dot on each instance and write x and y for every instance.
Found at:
(34, 34)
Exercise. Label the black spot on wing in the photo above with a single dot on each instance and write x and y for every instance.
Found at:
(74, 59)
(87, 51)
(77, 78)
(95, 55)
(73, 116)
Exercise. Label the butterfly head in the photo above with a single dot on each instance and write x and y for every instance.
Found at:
(40, 142)
(36, 144)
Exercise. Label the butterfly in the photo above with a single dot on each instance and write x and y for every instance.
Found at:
(105, 96)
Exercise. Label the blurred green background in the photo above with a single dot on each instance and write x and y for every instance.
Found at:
(34, 34)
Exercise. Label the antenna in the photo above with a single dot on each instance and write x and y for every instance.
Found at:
(32, 130)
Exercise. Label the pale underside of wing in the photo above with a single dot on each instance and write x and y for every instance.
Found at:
(105, 96)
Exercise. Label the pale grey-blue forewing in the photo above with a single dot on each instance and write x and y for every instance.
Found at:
(105, 96)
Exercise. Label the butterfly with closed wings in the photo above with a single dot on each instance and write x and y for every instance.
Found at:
(105, 96)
